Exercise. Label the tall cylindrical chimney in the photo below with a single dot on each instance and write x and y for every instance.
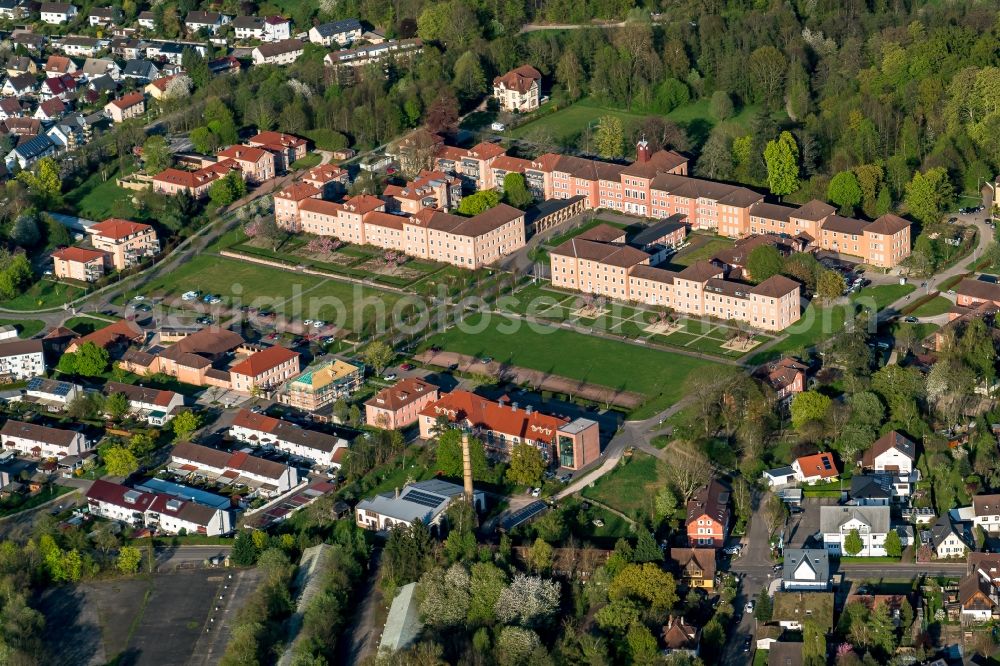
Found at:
(467, 468)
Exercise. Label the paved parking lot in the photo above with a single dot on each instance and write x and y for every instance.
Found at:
(802, 526)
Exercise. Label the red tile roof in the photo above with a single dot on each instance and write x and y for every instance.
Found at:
(363, 203)
(401, 394)
(820, 464)
(129, 100)
(277, 140)
(259, 363)
(482, 412)
(109, 335)
(78, 254)
(245, 153)
(251, 421)
(298, 192)
(117, 228)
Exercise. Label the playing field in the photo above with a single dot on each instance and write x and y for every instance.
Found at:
(657, 374)
(294, 295)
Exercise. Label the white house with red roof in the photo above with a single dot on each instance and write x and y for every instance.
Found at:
(277, 28)
(519, 90)
(164, 513)
(265, 369)
(40, 441)
(815, 468)
(239, 468)
(260, 430)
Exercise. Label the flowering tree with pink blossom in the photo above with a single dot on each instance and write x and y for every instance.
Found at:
(324, 245)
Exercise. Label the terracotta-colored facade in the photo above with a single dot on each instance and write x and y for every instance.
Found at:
(256, 164)
(78, 263)
(399, 406)
(708, 516)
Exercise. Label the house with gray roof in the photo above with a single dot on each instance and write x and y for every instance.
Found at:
(951, 539)
(872, 524)
(806, 569)
(341, 33)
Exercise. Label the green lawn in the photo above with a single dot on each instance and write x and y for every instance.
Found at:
(703, 252)
(936, 306)
(26, 328)
(295, 295)
(559, 239)
(85, 325)
(43, 294)
(307, 162)
(822, 323)
(567, 123)
(96, 197)
(657, 374)
(630, 486)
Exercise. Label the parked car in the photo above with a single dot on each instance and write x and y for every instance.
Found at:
(319, 324)
(566, 478)
(911, 320)
(189, 295)
(733, 550)
(486, 359)
(750, 606)
(406, 367)
(389, 377)
(535, 492)
(747, 642)
(598, 522)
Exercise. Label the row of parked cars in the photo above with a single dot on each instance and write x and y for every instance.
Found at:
(204, 298)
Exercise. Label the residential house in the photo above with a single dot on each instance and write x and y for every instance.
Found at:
(55, 395)
(399, 406)
(402, 51)
(972, 293)
(286, 147)
(194, 183)
(39, 441)
(871, 490)
(127, 242)
(20, 65)
(62, 87)
(13, 9)
(21, 359)
(32, 41)
(266, 477)
(248, 27)
(708, 515)
(502, 424)
(56, 13)
(284, 52)
(146, 20)
(198, 358)
(210, 22)
(259, 430)
(872, 524)
(424, 501)
(96, 67)
(132, 105)
(50, 110)
(28, 152)
(330, 179)
(893, 453)
(978, 597)
(986, 511)
(57, 65)
(786, 376)
(519, 90)
(277, 29)
(104, 16)
(256, 164)
(264, 370)
(791, 610)
(10, 107)
(154, 406)
(815, 468)
(341, 33)
(126, 48)
(21, 86)
(157, 88)
(79, 263)
(695, 566)
(82, 47)
(679, 637)
(323, 384)
(142, 70)
(158, 511)
(805, 569)
(950, 539)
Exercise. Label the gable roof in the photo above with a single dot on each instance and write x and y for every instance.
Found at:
(337, 27)
(19, 347)
(986, 505)
(817, 560)
(695, 560)
(519, 79)
(129, 100)
(831, 518)
(891, 440)
(460, 406)
(39, 433)
(143, 394)
(109, 335)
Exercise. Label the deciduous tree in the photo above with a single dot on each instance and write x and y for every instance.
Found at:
(764, 262)
(526, 465)
(782, 159)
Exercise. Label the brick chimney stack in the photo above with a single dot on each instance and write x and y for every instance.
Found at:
(467, 468)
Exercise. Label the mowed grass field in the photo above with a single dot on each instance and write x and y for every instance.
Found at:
(657, 374)
(26, 328)
(44, 294)
(291, 294)
(571, 121)
(631, 486)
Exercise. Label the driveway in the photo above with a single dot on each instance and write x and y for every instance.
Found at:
(801, 527)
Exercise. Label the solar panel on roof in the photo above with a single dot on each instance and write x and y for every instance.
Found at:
(34, 383)
(423, 499)
(826, 463)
